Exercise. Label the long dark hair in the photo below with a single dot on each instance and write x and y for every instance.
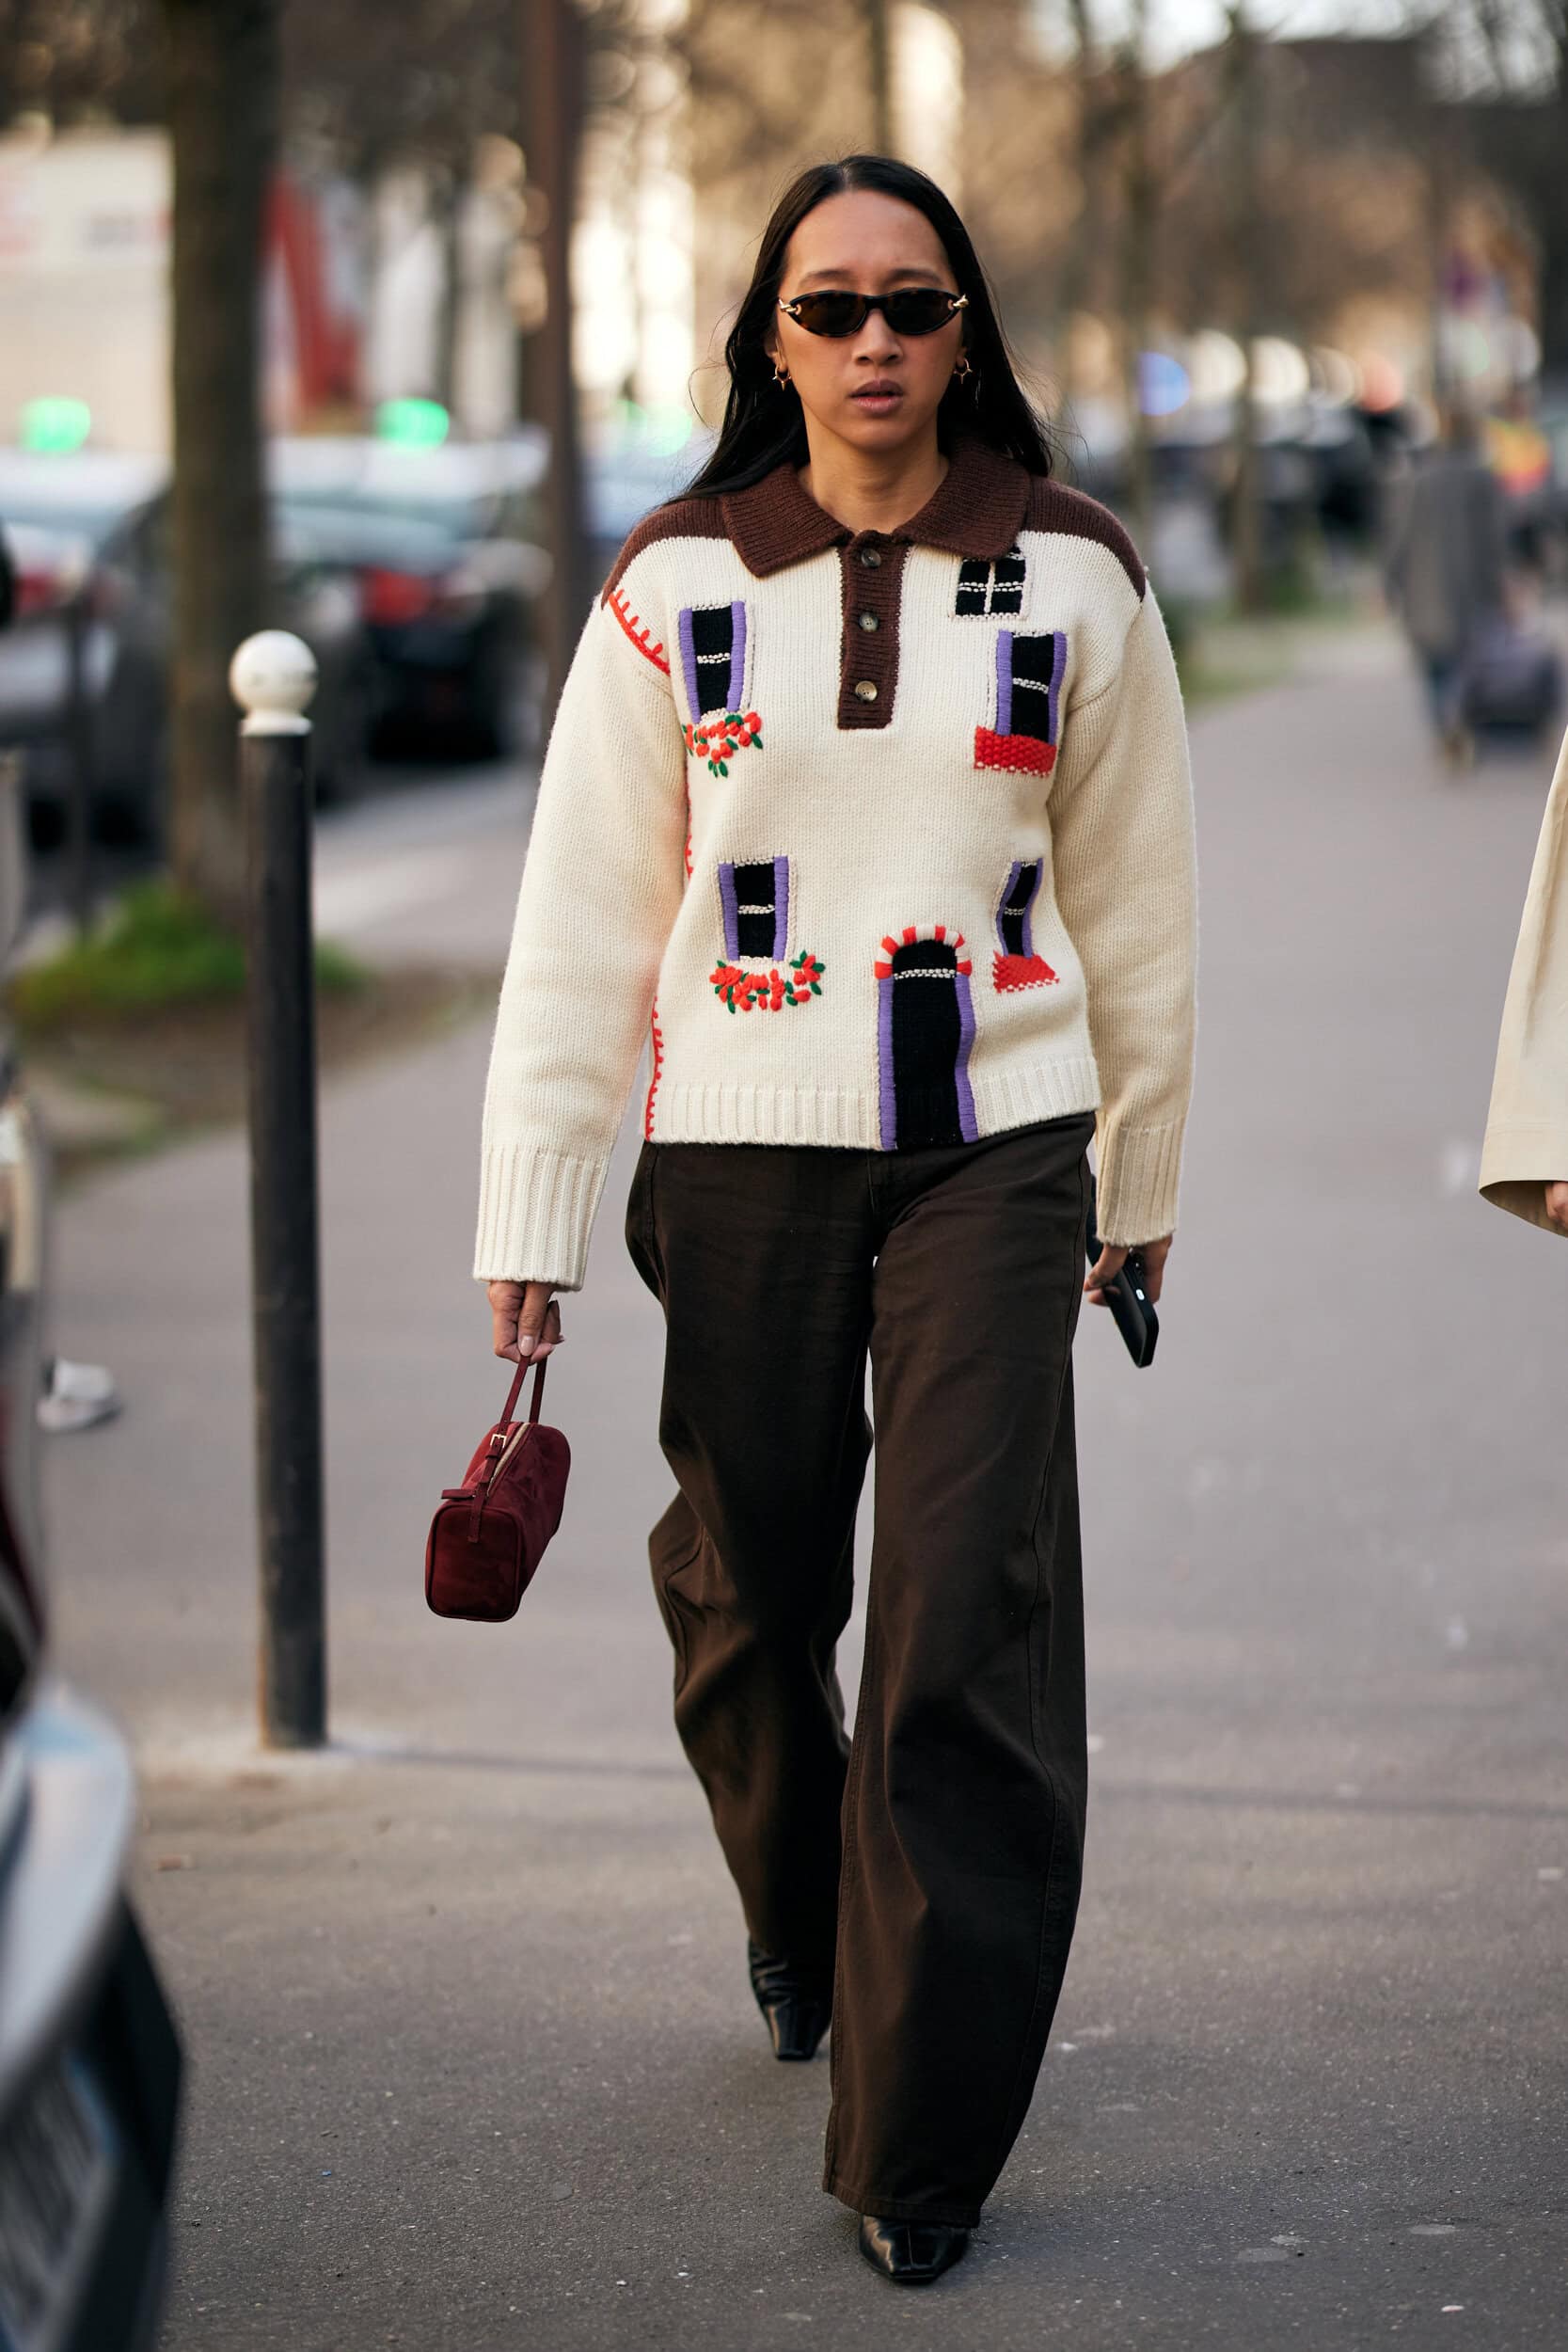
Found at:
(763, 424)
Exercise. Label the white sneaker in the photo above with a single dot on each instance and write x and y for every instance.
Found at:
(75, 1396)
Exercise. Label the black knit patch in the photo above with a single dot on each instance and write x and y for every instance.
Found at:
(926, 1044)
(756, 915)
(713, 643)
(973, 588)
(985, 588)
(1033, 659)
(1012, 921)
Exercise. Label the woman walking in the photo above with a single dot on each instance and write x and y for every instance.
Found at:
(868, 792)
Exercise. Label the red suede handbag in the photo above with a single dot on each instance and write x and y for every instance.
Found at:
(488, 1535)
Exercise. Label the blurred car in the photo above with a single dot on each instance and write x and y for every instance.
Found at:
(446, 545)
(89, 2058)
(65, 519)
(88, 536)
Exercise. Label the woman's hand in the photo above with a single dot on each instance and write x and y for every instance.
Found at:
(1557, 1205)
(526, 1320)
(1154, 1253)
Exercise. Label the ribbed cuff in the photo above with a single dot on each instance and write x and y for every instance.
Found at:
(1138, 1173)
(1518, 1161)
(535, 1214)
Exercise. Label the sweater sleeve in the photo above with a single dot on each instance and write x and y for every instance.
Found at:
(600, 889)
(1121, 821)
(1527, 1128)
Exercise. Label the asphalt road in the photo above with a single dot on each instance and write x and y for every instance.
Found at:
(474, 2062)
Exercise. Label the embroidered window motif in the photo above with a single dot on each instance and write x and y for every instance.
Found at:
(1016, 964)
(925, 1027)
(713, 642)
(1029, 672)
(985, 588)
(756, 899)
(755, 896)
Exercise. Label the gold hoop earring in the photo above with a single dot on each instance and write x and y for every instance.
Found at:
(780, 376)
(964, 371)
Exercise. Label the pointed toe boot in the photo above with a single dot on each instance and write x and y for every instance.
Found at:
(795, 2002)
(912, 2254)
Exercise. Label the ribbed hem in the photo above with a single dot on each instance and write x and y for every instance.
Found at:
(1139, 1170)
(1518, 1161)
(842, 1115)
(535, 1214)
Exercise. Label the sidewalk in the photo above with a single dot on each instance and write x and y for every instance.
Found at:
(474, 2061)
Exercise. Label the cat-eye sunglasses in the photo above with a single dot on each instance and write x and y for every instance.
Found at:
(910, 310)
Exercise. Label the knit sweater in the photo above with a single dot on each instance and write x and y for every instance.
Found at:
(884, 838)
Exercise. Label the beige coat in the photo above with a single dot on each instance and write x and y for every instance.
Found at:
(1527, 1129)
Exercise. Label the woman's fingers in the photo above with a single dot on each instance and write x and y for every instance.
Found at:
(1111, 1261)
(538, 1323)
(1557, 1205)
(1154, 1256)
(525, 1321)
(1104, 1269)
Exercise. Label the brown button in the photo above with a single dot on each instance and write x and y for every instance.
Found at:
(869, 621)
(871, 558)
(865, 689)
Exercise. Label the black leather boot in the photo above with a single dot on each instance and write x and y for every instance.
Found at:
(797, 2002)
(912, 2253)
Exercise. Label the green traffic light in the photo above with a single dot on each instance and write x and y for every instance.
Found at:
(56, 425)
(412, 423)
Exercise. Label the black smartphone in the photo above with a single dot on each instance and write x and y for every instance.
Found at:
(1131, 1308)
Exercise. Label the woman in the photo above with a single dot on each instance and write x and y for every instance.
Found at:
(1523, 1164)
(868, 791)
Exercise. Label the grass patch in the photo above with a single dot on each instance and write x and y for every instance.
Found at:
(158, 949)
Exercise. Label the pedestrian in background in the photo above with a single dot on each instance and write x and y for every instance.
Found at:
(1523, 1164)
(868, 792)
(1445, 567)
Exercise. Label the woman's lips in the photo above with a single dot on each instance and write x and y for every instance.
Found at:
(879, 397)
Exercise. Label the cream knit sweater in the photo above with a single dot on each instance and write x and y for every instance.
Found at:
(886, 838)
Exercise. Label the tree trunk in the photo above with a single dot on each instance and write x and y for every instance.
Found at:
(222, 95)
(1140, 228)
(878, 57)
(447, 214)
(556, 93)
(1246, 98)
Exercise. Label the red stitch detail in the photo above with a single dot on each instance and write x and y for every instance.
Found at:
(1009, 972)
(641, 638)
(688, 856)
(657, 1071)
(1023, 754)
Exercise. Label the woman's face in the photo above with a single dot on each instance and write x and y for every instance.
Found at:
(869, 388)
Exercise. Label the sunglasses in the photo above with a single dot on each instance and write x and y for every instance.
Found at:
(912, 311)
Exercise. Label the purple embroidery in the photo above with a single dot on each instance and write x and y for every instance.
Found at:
(1003, 678)
(731, 904)
(781, 901)
(688, 662)
(924, 1039)
(1013, 928)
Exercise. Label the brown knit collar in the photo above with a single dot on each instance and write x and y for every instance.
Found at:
(977, 510)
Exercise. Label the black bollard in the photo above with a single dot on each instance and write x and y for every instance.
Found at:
(273, 675)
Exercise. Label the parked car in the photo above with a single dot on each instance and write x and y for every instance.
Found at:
(90, 2057)
(66, 519)
(446, 545)
(91, 531)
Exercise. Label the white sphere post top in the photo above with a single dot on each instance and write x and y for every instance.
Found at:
(272, 678)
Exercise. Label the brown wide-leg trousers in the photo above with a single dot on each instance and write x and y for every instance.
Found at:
(935, 1861)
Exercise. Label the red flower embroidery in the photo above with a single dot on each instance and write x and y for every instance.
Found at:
(715, 739)
(740, 990)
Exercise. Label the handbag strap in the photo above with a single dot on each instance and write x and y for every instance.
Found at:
(516, 1389)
